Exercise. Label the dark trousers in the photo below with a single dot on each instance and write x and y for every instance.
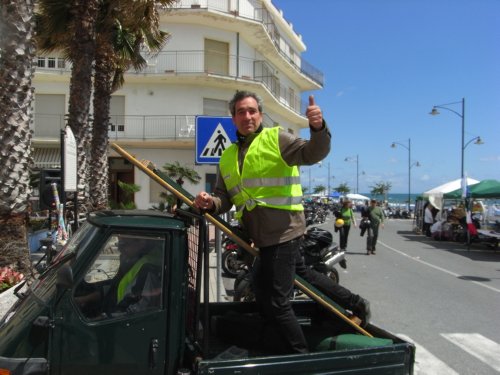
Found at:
(274, 277)
(427, 229)
(344, 235)
(371, 239)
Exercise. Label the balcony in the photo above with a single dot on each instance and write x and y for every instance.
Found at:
(200, 62)
(165, 127)
(235, 8)
(137, 128)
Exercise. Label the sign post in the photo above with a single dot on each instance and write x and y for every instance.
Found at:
(69, 178)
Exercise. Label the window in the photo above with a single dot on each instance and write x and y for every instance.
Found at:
(125, 278)
(214, 107)
(216, 57)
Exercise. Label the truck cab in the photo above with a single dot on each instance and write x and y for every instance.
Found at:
(125, 296)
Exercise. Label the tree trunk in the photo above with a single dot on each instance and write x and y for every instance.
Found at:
(82, 54)
(17, 53)
(104, 70)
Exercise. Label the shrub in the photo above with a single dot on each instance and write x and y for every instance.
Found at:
(9, 278)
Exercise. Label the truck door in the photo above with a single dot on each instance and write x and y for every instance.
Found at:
(114, 321)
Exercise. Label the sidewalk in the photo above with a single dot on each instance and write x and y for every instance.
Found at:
(213, 281)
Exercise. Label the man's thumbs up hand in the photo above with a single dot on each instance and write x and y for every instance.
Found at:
(314, 114)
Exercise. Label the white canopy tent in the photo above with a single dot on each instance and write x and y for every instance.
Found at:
(435, 195)
(356, 197)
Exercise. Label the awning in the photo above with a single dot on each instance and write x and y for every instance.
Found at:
(47, 157)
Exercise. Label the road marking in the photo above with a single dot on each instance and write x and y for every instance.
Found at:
(437, 267)
(427, 363)
(478, 346)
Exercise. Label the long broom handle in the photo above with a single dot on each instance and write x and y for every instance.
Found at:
(145, 167)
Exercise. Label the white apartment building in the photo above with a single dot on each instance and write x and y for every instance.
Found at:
(216, 47)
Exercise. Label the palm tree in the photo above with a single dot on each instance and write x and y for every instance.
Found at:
(122, 29)
(179, 173)
(17, 54)
(381, 188)
(343, 188)
(319, 189)
(69, 26)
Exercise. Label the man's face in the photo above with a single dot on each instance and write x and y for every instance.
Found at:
(247, 117)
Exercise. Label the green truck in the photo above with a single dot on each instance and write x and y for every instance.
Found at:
(90, 313)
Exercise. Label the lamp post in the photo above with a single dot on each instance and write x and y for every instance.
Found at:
(410, 165)
(352, 158)
(462, 116)
(477, 141)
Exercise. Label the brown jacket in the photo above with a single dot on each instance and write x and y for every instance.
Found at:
(270, 226)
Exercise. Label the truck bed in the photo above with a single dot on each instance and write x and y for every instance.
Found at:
(240, 342)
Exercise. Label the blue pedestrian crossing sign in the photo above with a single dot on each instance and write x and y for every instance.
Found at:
(213, 136)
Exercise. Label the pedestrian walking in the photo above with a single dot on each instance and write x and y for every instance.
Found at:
(376, 220)
(347, 214)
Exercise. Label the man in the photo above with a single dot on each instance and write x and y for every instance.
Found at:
(428, 219)
(376, 220)
(135, 287)
(259, 174)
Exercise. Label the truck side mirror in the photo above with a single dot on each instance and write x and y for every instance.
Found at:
(64, 277)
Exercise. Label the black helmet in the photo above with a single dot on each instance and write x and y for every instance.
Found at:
(321, 236)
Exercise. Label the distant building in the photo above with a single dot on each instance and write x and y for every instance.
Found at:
(216, 47)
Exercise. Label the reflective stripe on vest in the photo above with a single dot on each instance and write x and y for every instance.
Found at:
(266, 179)
(131, 274)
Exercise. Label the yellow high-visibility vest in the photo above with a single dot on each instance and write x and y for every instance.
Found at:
(265, 179)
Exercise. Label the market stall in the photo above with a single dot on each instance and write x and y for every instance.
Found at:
(489, 230)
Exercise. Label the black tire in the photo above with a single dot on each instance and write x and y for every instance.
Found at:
(243, 291)
(334, 275)
(230, 264)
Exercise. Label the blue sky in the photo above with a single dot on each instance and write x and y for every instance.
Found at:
(386, 63)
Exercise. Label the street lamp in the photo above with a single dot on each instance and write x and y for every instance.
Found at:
(462, 116)
(410, 165)
(352, 158)
(477, 141)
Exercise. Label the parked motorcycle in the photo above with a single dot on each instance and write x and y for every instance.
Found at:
(320, 253)
(233, 257)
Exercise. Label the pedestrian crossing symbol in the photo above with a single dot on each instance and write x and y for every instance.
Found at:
(213, 136)
(218, 142)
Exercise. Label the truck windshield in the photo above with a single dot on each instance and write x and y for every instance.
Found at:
(79, 240)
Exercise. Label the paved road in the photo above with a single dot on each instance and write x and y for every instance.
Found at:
(438, 295)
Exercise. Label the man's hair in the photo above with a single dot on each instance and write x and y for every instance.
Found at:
(240, 95)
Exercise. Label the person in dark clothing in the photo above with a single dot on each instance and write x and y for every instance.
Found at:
(376, 220)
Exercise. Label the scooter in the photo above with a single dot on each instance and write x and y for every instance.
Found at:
(320, 253)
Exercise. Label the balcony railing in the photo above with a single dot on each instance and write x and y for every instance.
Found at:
(138, 127)
(246, 10)
(202, 62)
(174, 127)
(171, 127)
